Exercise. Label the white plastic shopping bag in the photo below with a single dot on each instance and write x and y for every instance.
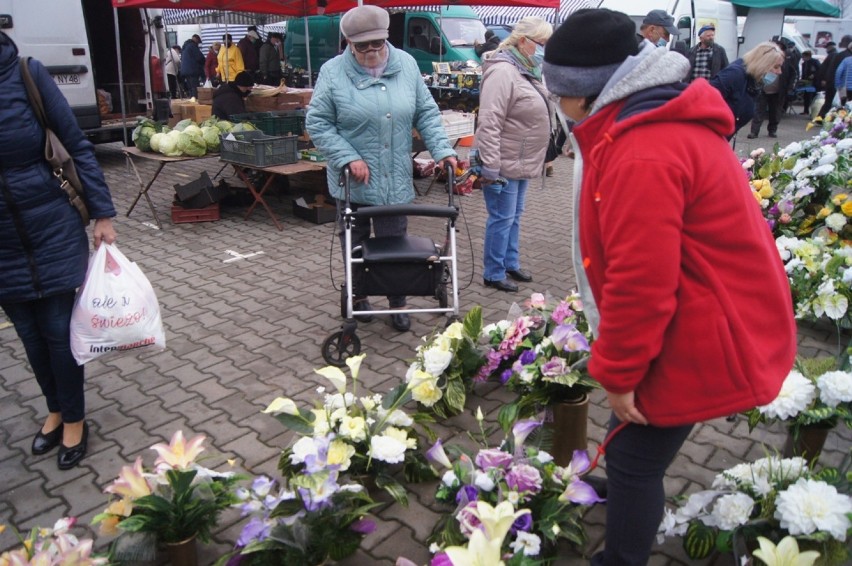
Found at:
(116, 309)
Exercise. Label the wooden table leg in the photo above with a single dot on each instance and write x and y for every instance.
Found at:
(143, 190)
(258, 195)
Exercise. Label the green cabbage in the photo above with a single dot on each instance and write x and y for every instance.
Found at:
(142, 137)
(154, 143)
(192, 129)
(192, 144)
(182, 125)
(225, 126)
(169, 144)
(211, 138)
(244, 127)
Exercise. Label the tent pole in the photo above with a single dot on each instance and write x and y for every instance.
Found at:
(120, 78)
(308, 47)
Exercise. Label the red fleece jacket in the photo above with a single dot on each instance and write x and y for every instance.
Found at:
(696, 313)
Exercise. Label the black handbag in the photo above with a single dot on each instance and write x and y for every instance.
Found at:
(54, 151)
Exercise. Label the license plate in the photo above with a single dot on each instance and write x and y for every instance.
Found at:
(70, 79)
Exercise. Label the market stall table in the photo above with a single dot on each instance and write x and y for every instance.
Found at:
(133, 153)
(271, 173)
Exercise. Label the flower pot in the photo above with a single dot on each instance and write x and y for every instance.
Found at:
(809, 441)
(567, 421)
(183, 553)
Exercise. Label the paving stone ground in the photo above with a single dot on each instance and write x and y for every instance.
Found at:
(240, 333)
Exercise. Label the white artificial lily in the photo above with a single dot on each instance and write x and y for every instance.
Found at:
(335, 376)
(785, 554)
(282, 405)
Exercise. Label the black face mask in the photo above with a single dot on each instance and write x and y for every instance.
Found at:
(245, 93)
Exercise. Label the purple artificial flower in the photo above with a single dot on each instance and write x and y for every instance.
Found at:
(522, 429)
(466, 494)
(255, 530)
(554, 367)
(786, 207)
(561, 334)
(363, 526)
(506, 376)
(522, 523)
(561, 312)
(527, 357)
(771, 223)
(581, 493)
(773, 210)
(831, 140)
(468, 519)
(437, 455)
(524, 478)
(492, 458)
(516, 333)
(441, 559)
(493, 358)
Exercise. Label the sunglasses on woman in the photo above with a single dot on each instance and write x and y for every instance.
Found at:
(364, 46)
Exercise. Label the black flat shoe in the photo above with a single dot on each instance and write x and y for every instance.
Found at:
(69, 457)
(44, 443)
(520, 275)
(504, 285)
(401, 322)
(362, 305)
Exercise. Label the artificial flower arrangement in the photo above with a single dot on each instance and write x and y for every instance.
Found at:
(441, 375)
(48, 546)
(813, 394)
(362, 437)
(176, 501)
(820, 276)
(773, 498)
(539, 353)
(313, 519)
(550, 499)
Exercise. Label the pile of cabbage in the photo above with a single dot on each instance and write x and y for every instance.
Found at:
(186, 139)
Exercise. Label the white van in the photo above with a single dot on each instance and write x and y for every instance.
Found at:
(76, 43)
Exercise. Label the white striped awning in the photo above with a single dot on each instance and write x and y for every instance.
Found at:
(174, 17)
(211, 33)
(509, 15)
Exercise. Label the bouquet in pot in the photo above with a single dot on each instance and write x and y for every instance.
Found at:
(176, 501)
(539, 353)
(361, 436)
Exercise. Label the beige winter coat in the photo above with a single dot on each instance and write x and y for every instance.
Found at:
(514, 121)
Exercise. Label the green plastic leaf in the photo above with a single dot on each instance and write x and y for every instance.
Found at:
(393, 487)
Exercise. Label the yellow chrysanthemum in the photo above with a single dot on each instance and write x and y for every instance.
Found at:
(823, 213)
(766, 191)
(846, 207)
(839, 199)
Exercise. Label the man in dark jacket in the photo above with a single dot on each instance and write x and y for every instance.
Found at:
(828, 70)
(810, 68)
(249, 47)
(270, 60)
(491, 43)
(707, 58)
(192, 64)
(229, 99)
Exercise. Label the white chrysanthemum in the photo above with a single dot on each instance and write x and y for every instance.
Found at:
(829, 156)
(835, 387)
(748, 163)
(338, 401)
(529, 543)
(757, 153)
(796, 394)
(846, 278)
(791, 149)
(483, 481)
(303, 448)
(836, 221)
(731, 511)
(809, 506)
(696, 505)
(843, 145)
(821, 170)
(387, 449)
(436, 360)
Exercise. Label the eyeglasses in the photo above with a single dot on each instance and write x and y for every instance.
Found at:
(365, 46)
(534, 41)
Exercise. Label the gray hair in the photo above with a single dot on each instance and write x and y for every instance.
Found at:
(532, 27)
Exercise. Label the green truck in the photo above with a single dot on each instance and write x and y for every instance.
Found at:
(429, 36)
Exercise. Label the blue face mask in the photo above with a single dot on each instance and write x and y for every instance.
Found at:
(769, 78)
(662, 42)
(538, 56)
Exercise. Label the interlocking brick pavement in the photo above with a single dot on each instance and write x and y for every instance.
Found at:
(241, 333)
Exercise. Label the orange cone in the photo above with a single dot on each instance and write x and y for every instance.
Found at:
(466, 141)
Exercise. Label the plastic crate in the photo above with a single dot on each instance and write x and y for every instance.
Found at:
(181, 215)
(258, 149)
(275, 123)
(458, 124)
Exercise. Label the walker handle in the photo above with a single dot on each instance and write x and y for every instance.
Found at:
(344, 181)
(451, 181)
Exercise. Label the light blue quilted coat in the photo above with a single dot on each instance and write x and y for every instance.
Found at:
(354, 116)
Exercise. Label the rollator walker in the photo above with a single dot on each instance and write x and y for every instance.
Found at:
(413, 266)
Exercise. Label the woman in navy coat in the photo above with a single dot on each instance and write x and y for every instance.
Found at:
(44, 249)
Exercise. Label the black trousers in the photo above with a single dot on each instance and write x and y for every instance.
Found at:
(830, 91)
(767, 107)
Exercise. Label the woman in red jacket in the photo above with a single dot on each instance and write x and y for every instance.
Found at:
(211, 62)
(679, 274)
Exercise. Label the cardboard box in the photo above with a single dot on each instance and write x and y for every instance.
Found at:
(271, 104)
(205, 95)
(197, 112)
(302, 96)
(314, 209)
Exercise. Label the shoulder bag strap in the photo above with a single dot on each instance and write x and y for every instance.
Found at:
(32, 91)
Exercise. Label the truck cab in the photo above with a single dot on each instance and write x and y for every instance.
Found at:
(448, 34)
(76, 43)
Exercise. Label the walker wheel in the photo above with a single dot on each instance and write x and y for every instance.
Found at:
(340, 346)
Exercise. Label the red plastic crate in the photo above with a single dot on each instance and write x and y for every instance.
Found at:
(181, 215)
